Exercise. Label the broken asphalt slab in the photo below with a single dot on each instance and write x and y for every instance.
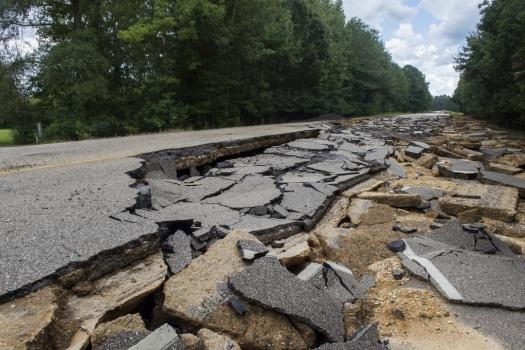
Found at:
(470, 277)
(270, 285)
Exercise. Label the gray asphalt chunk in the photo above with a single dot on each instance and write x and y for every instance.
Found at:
(164, 337)
(309, 145)
(345, 181)
(414, 151)
(424, 146)
(291, 152)
(177, 251)
(505, 180)
(303, 177)
(121, 340)
(395, 168)
(470, 277)
(252, 191)
(454, 234)
(458, 168)
(334, 167)
(171, 191)
(269, 284)
(251, 250)
(302, 199)
(379, 154)
(275, 162)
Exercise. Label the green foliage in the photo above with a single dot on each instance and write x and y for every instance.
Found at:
(121, 67)
(6, 137)
(492, 65)
(444, 103)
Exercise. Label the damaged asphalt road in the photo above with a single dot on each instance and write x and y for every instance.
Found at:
(335, 236)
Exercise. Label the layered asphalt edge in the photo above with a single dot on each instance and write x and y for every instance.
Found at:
(111, 260)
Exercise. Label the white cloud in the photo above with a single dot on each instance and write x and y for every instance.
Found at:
(374, 12)
(431, 51)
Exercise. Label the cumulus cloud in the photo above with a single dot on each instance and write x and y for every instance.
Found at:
(431, 50)
(375, 12)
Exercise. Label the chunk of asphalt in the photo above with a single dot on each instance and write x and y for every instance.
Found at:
(251, 250)
(395, 168)
(414, 151)
(397, 246)
(413, 267)
(309, 145)
(164, 337)
(238, 306)
(503, 179)
(470, 277)
(369, 333)
(268, 283)
(404, 229)
(280, 212)
(262, 191)
(121, 341)
(177, 251)
(311, 270)
(302, 199)
(476, 239)
(423, 145)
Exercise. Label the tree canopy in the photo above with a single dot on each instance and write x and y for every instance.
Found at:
(107, 68)
(492, 65)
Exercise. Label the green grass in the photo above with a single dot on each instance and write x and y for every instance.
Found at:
(6, 137)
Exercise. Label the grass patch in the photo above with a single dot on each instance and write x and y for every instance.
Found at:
(6, 137)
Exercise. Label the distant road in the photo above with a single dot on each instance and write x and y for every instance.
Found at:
(65, 153)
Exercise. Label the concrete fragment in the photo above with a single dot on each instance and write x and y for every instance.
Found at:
(25, 322)
(426, 193)
(367, 212)
(365, 186)
(517, 245)
(198, 296)
(514, 230)
(516, 160)
(397, 200)
(495, 202)
(294, 250)
(122, 290)
(164, 337)
(214, 341)
(427, 160)
(191, 342)
(177, 251)
(109, 335)
(268, 283)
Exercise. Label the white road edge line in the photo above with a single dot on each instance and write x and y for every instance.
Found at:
(445, 285)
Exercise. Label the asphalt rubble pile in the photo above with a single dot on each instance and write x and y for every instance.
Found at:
(374, 235)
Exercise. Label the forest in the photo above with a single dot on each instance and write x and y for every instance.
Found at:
(110, 68)
(492, 65)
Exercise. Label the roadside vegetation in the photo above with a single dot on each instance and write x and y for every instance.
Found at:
(492, 65)
(106, 68)
(6, 137)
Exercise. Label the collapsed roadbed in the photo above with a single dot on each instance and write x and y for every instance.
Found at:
(290, 242)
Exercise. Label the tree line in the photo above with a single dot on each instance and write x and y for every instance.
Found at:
(106, 68)
(492, 65)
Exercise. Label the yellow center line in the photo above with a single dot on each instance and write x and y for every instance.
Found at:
(58, 165)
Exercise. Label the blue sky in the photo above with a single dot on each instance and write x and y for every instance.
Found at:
(424, 33)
